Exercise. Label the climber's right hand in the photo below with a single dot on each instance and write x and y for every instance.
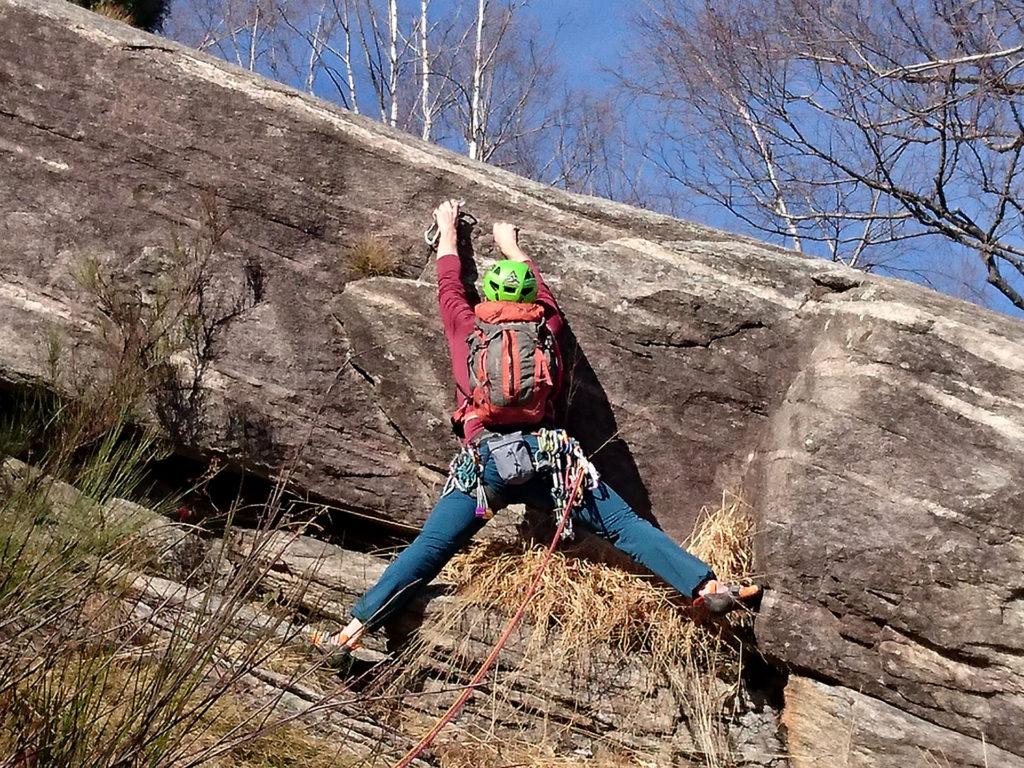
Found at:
(447, 216)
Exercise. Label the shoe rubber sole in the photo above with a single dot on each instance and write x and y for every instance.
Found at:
(737, 597)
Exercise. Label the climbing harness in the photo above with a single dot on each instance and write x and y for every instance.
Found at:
(557, 452)
(571, 500)
(561, 455)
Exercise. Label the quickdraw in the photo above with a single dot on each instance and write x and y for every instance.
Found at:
(465, 473)
(433, 234)
(565, 457)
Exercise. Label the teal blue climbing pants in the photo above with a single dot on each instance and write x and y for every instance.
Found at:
(453, 523)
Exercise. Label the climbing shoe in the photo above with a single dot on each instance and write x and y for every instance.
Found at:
(719, 599)
(328, 642)
(336, 648)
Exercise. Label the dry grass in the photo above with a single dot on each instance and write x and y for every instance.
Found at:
(114, 11)
(103, 662)
(722, 537)
(584, 615)
(371, 257)
(290, 744)
(500, 753)
(591, 604)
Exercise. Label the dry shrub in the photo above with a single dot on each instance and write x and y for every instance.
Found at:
(591, 604)
(114, 11)
(371, 257)
(721, 538)
(101, 665)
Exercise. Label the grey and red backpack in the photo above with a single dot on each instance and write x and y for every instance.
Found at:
(512, 364)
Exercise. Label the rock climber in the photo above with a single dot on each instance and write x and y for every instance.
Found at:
(508, 371)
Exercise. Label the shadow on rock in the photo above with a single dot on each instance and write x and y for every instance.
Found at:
(586, 413)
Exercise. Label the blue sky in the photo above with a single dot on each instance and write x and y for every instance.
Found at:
(591, 36)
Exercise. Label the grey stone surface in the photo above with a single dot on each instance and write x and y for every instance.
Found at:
(834, 727)
(890, 486)
(875, 427)
(110, 139)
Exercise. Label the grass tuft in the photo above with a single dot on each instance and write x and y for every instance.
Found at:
(371, 257)
(114, 11)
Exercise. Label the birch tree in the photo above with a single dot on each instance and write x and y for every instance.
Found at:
(245, 32)
(426, 107)
(714, 132)
(847, 128)
(473, 76)
(474, 137)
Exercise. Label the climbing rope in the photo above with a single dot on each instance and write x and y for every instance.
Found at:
(574, 483)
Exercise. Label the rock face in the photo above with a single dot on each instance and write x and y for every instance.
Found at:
(876, 428)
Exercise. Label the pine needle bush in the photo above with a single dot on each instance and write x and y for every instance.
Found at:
(103, 662)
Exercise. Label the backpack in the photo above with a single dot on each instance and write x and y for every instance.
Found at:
(511, 364)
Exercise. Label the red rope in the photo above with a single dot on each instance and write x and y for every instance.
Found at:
(448, 716)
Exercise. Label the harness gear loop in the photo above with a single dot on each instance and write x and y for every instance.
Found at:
(565, 458)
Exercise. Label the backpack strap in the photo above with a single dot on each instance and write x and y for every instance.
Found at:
(463, 415)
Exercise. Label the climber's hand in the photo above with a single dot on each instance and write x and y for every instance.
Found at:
(447, 215)
(506, 237)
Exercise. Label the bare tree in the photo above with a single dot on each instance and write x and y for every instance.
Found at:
(427, 113)
(581, 145)
(473, 76)
(475, 128)
(509, 67)
(850, 126)
(245, 32)
(713, 130)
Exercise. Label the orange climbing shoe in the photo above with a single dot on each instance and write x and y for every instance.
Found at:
(719, 599)
(330, 643)
(343, 642)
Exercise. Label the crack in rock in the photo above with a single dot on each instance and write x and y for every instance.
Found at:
(706, 344)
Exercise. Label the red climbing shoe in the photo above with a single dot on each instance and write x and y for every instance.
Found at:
(330, 643)
(719, 599)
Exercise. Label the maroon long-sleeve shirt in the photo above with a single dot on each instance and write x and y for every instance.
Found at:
(458, 320)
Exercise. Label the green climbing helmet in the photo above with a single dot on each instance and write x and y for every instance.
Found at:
(510, 280)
